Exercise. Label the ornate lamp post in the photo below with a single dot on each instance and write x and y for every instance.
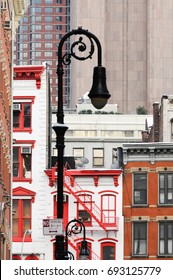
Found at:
(98, 94)
(75, 227)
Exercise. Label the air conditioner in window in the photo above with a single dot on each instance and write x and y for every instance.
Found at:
(26, 150)
(16, 107)
(7, 24)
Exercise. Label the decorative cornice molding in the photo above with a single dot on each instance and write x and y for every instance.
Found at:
(29, 73)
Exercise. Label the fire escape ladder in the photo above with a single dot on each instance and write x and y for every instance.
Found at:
(85, 200)
(72, 243)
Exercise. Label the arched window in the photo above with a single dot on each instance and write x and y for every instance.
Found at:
(31, 258)
(16, 257)
(108, 251)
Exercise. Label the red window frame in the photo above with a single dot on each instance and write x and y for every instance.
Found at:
(87, 199)
(31, 258)
(20, 218)
(109, 210)
(111, 245)
(16, 257)
(20, 162)
(22, 117)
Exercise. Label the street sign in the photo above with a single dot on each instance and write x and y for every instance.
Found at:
(52, 227)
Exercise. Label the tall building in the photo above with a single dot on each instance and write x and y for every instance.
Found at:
(38, 35)
(137, 42)
(10, 12)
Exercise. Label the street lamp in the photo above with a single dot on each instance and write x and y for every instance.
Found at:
(27, 232)
(98, 94)
(75, 227)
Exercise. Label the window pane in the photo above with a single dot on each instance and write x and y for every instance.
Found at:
(140, 188)
(16, 115)
(27, 115)
(26, 165)
(140, 238)
(15, 218)
(98, 161)
(15, 162)
(108, 253)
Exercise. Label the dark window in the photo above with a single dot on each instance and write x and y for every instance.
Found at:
(139, 238)
(22, 116)
(166, 188)
(140, 188)
(166, 238)
(108, 251)
(22, 163)
(21, 218)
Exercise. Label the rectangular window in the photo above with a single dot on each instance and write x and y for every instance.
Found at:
(22, 116)
(48, 19)
(83, 214)
(59, 27)
(139, 238)
(98, 157)
(47, 54)
(48, 10)
(78, 152)
(166, 238)
(21, 218)
(48, 36)
(139, 188)
(48, 27)
(108, 203)
(59, 18)
(22, 163)
(59, 10)
(165, 188)
(48, 45)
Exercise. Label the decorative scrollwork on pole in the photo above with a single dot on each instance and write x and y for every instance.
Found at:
(79, 46)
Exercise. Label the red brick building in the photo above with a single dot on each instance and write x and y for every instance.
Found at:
(148, 201)
(7, 23)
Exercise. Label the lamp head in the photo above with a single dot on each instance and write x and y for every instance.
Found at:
(99, 93)
(84, 252)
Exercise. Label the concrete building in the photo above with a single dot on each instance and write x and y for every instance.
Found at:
(137, 39)
(95, 137)
(148, 201)
(37, 38)
(10, 12)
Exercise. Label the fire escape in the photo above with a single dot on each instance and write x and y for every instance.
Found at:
(85, 201)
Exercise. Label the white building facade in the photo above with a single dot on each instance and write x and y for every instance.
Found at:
(93, 196)
(30, 195)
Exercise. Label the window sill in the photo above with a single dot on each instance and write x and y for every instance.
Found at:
(20, 239)
(165, 205)
(140, 205)
(22, 130)
(141, 256)
(22, 180)
(165, 256)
